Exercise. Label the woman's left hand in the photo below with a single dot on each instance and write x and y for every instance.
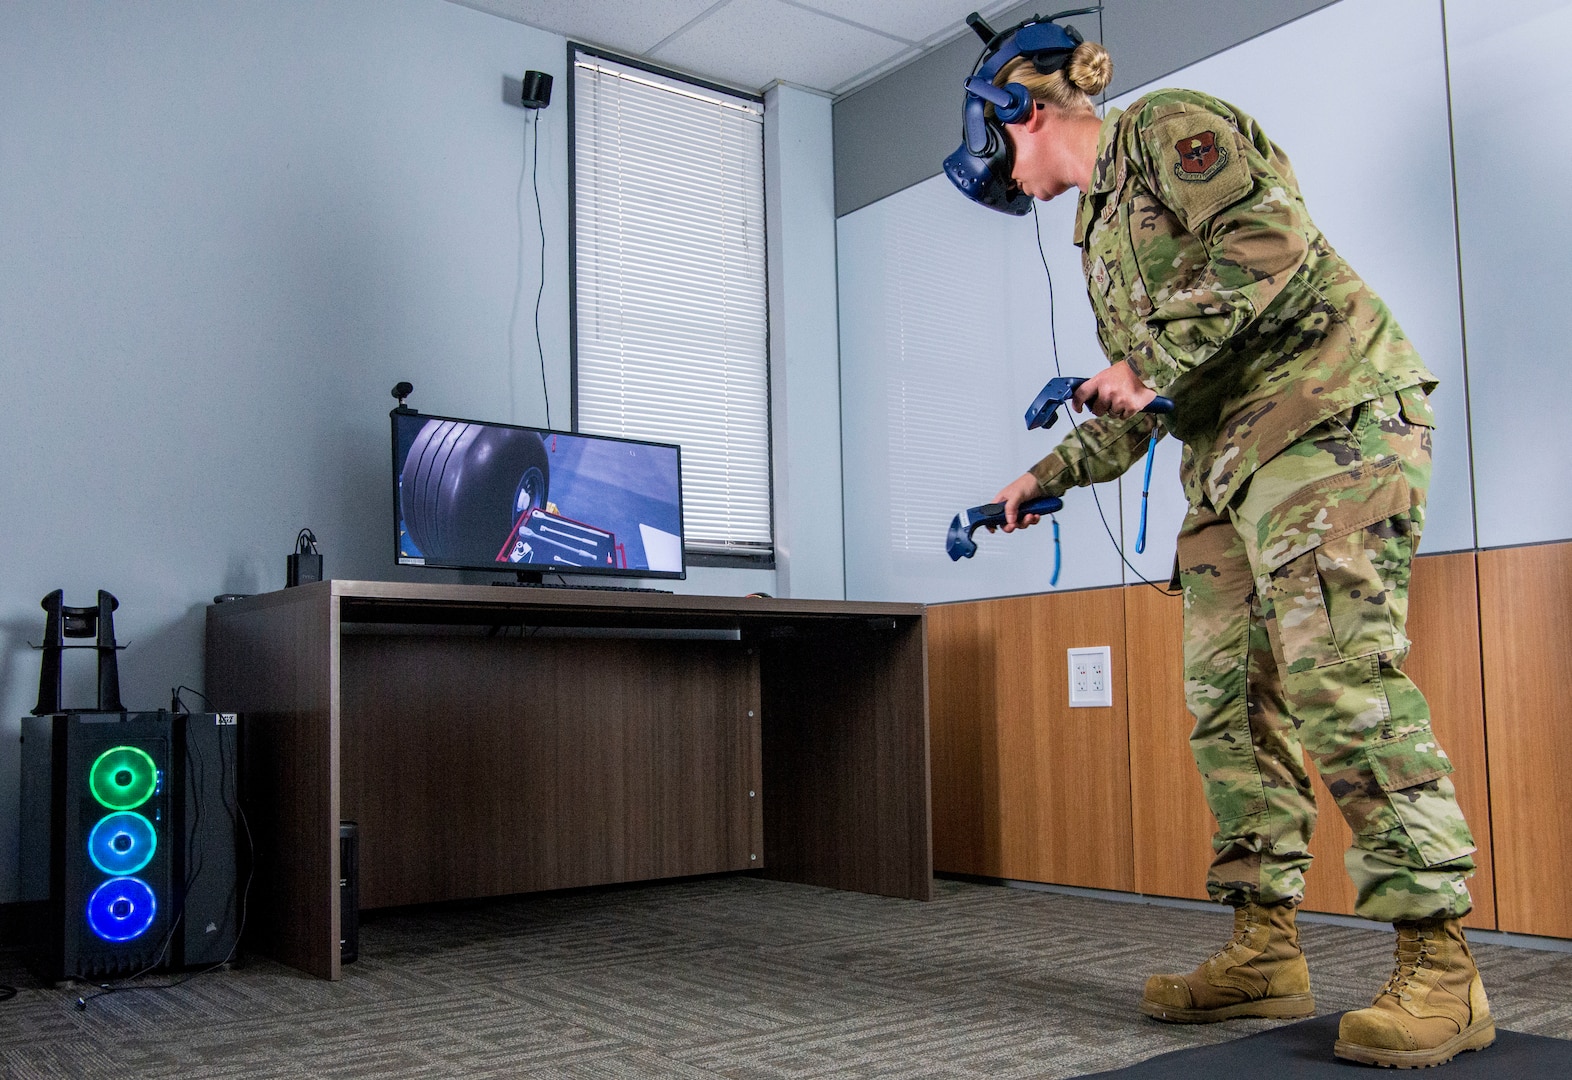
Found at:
(1115, 391)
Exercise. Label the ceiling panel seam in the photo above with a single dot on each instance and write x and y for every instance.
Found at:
(689, 25)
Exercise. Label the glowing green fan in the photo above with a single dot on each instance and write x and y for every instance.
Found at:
(123, 777)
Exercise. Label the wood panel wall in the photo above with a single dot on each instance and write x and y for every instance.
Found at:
(1173, 827)
(1443, 623)
(1026, 787)
(997, 786)
(1525, 602)
(963, 745)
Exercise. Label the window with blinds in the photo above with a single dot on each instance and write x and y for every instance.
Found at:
(670, 313)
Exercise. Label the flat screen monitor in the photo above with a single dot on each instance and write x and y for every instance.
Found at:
(471, 495)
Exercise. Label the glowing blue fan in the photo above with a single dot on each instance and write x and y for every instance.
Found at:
(122, 843)
(121, 909)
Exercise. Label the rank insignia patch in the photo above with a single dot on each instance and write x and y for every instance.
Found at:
(1200, 158)
(1100, 275)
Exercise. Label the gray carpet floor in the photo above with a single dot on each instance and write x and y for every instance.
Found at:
(731, 977)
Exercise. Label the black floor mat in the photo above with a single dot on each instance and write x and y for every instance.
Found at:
(1303, 1051)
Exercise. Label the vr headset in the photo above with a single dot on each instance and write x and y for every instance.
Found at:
(980, 167)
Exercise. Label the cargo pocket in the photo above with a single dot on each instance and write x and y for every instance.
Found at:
(1408, 769)
(1327, 594)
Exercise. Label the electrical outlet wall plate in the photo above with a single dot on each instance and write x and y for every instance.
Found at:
(1091, 677)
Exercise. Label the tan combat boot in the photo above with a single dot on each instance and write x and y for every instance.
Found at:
(1260, 972)
(1431, 1008)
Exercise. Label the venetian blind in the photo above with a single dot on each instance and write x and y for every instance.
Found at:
(670, 313)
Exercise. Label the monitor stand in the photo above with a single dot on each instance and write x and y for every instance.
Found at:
(534, 579)
(524, 577)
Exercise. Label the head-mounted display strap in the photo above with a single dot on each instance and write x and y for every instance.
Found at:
(981, 166)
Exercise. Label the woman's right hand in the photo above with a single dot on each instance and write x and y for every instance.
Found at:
(1013, 495)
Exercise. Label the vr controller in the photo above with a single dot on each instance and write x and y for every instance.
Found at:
(1044, 410)
(1042, 413)
(960, 544)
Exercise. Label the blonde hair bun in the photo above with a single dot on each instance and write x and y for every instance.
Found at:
(1090, 69)
(1069, 88)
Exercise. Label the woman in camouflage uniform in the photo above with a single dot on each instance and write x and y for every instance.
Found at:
(1306, 428)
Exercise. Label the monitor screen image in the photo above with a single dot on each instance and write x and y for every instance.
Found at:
(471, 495)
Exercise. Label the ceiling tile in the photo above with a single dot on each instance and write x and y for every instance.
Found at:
(752, 43)
(830, 45)
(631, 26)
(915, 21)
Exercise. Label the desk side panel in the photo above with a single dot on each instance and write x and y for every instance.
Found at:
(275, 665)
(845, 755)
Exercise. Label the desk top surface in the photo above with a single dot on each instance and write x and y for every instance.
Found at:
(407, 601)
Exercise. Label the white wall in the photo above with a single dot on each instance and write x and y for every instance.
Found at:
(226, 230)
(1378, 183)
(1366, 127)
(1511, 96)
(805, 407)
(944, 342)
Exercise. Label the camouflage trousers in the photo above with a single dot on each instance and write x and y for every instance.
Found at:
(1295, 600)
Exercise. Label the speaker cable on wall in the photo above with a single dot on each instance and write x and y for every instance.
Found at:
(535, 94)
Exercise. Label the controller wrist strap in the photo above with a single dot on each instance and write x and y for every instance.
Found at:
(1146, 488)
(1056, 560)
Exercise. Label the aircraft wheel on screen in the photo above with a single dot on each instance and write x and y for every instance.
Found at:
(463, 486)
(531, 493)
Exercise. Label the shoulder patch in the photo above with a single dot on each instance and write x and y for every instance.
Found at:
(1200, 157)
(1198, 164)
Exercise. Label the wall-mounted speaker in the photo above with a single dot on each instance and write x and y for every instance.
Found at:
(535, 90)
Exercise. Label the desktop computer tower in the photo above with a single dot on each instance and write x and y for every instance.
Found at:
(97, 843)
(128, 841)
(207, 821)
(348, 892)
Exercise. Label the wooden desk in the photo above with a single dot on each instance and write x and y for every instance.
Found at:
(493, 740)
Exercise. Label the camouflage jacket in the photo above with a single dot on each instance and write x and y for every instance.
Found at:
(1207, 275)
